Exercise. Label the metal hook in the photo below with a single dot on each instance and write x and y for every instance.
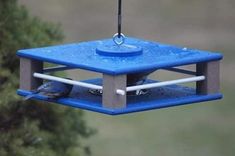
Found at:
(119, 40)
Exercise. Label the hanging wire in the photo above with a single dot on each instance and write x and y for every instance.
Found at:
(119, 18)
(119, 38)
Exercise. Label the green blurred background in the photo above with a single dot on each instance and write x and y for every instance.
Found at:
(206, 129)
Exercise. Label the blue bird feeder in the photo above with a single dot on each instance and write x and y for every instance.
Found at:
(125, 65)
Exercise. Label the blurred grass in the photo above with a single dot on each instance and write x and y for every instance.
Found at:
(206, 129)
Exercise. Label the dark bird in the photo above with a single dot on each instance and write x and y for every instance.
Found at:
(137, 78)
(52, 89)
(132, 80)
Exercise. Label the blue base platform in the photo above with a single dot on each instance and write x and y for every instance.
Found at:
(157, 98)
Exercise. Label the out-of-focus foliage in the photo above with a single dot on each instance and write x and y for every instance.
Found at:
(32, 128)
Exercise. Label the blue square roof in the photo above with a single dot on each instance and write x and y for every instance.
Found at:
(155, 56)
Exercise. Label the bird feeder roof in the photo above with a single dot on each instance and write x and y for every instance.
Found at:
(84, 56)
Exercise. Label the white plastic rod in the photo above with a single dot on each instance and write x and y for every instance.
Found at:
(166, 83)
(120, 92)
(67, 81)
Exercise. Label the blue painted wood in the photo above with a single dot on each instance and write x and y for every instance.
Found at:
(157, 98)
(123, 50)
(155, 56)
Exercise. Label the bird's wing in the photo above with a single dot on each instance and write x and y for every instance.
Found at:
(45, 87)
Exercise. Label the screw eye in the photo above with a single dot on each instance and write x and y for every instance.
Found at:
(118, 40)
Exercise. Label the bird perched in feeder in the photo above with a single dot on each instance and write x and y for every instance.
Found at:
(52, 89)
(137, 78)
(132, 80)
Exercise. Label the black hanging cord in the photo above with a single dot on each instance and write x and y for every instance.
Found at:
(119, 18)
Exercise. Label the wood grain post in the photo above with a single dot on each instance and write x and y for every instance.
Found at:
(211, 70)
(110, 98)
(27, 68)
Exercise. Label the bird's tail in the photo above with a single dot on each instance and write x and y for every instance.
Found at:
(29, 96)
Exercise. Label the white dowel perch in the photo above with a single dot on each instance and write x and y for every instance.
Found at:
(67, 81)
(72, 82)
(119, 91)
(165, 83)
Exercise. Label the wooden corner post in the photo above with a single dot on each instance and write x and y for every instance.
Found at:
(27, 68)
(110, 98)
(211, 70)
